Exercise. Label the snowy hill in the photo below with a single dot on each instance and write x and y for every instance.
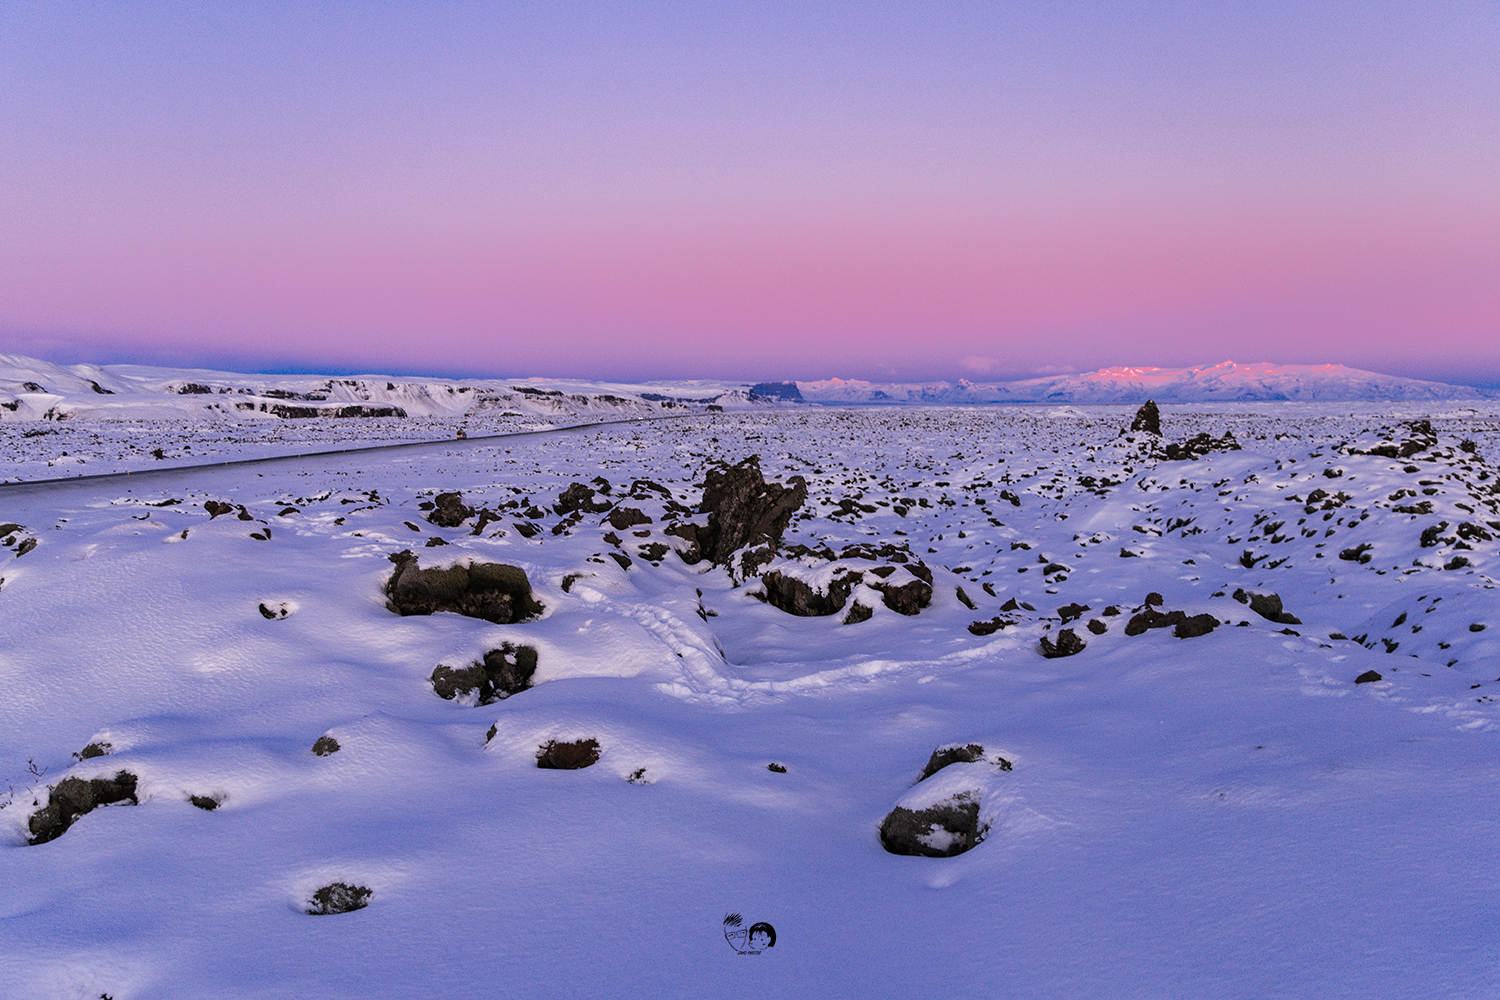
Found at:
(1227, 381)
(31, 389)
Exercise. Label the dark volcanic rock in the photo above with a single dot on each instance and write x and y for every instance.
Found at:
(493, 591)
(1268, 606)
(990, 627)
(1151, 618)
(943, 830)
(325, 745)
(1097, 626)
(502, 673)
(1368, 677)
(1147, 419)
(338, 897)
(1067, 644)
(579, 497)
(622, 518)
(799, 598)
(72, 798)
(1195, 626)
(567, 756)
(743, 509)
(943, 756)
(907, 598)
(449, 510)
(217, 507)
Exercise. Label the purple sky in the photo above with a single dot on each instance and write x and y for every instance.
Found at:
(752, 189)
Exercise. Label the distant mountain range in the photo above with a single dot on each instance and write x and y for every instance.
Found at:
(31, 389)
(1227, 381)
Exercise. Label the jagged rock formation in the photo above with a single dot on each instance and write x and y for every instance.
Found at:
(1147, 419)
(743, 509)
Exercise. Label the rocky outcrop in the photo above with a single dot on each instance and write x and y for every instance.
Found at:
(743, 509)
(494, 592)
(72, 798)
(1147, 419)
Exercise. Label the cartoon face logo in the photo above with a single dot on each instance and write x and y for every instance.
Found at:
(748, 941)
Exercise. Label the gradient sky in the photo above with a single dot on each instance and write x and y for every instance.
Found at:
(752, 189)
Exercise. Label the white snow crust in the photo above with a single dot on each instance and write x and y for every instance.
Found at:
(1226, 815)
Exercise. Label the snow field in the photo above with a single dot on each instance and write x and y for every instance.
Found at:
(1225, 815)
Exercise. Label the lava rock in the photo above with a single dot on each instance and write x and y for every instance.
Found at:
(1151, 618)
(1368, 677)
(1067, 644)
(72, 798)
(494, 592)
(942, 830)
(622, 518)
(1199, 445)
(324, 746)
(797, 597)
(1268, 606)
(579, 498)
(743, 509)
(503, 672)
(449, 510)
(338, 897)
(567, 756)
(1147, 419)
(990, 627)
(966, 753)
(1195, 626)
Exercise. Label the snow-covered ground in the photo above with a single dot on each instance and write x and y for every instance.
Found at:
(1221, 815)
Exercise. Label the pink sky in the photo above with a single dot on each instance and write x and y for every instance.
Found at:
(758, 192)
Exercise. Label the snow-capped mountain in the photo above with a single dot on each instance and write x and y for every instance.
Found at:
(1226, 381)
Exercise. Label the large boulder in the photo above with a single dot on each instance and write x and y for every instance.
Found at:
(495, 592)
(940, 830)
